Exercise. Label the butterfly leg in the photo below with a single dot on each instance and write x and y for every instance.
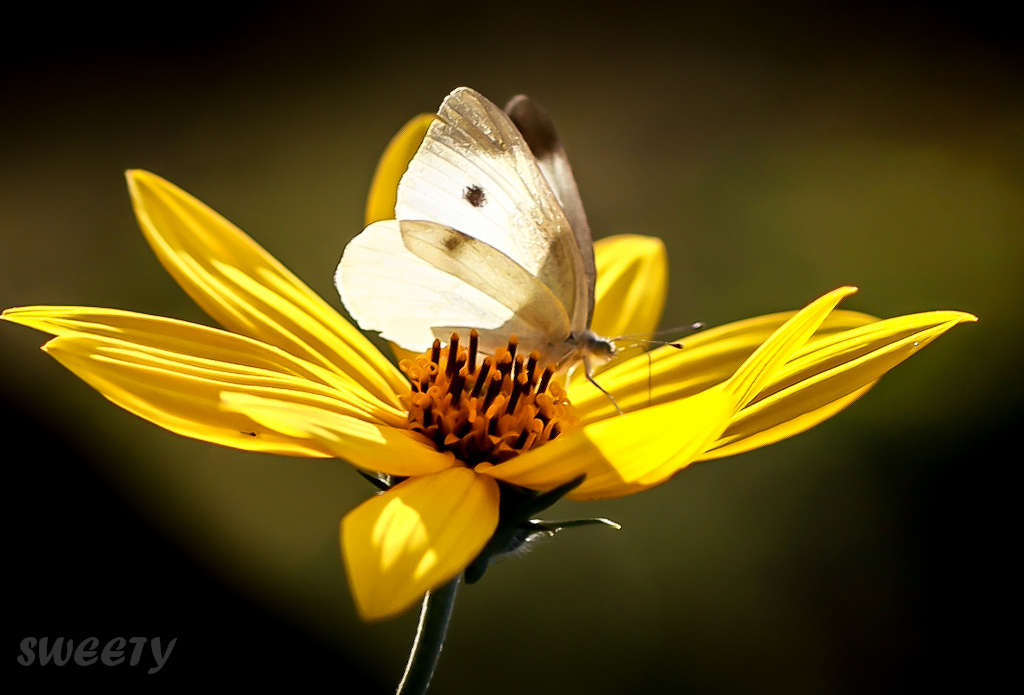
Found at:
(590, 377)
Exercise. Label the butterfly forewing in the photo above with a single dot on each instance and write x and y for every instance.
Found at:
(474, 173)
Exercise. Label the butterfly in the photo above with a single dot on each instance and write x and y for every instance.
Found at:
(489, 234)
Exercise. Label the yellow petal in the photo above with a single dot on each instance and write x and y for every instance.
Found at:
(766, 362)
(401, 353)
(827, 375)
(625, 454)
(189, 339)
(729, 444)
(172, 373)
(632, 282)
(707, 358)
(374, 448)
(380, 205)
(247, 291)
(415, 537)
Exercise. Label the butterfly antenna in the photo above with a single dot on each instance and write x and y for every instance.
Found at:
(645, 338)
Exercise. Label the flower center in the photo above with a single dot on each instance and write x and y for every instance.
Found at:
(488, 412)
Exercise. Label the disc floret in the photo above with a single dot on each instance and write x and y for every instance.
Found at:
(485, 410)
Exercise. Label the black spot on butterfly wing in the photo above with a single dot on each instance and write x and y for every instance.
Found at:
(475, 196)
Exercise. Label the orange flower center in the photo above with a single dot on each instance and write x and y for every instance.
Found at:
(491, 411)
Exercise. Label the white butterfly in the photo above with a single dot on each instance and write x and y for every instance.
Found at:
(489, 234)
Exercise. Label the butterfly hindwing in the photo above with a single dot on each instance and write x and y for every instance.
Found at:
(539, 131)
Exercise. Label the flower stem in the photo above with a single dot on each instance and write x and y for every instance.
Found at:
(430, 633)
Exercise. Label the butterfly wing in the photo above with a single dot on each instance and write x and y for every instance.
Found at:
(475, 173)
(537, 128)
(414, 280)
(480, 241)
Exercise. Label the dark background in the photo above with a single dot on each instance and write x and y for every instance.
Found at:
(780, 150)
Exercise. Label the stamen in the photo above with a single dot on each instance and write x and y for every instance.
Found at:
(545, 379)
(453, 354)
(492, 413)
(517, 390)
(485, 370)
(531, 366)
(457, 384)
(505, 363)
(493, 389)
(474, 341)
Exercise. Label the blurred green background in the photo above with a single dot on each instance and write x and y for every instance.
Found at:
(779, 150)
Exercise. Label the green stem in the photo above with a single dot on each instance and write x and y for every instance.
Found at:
(426, 648)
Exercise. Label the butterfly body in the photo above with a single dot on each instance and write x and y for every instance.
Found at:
(489, 234)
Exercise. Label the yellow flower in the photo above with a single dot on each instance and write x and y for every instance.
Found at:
(291, 376)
